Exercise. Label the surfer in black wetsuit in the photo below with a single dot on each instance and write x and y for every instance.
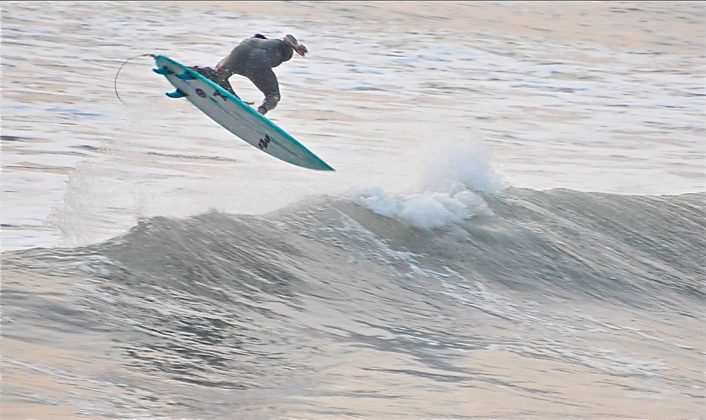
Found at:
(255, 58)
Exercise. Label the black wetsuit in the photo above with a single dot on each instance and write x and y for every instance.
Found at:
(253, 58)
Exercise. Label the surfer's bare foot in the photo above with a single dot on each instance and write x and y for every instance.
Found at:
(262, 110)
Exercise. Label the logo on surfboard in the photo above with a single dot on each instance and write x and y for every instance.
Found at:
(264, 142)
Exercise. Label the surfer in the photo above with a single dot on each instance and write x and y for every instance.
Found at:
(255, 58)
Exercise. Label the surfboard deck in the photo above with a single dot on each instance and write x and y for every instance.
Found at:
(235, 115)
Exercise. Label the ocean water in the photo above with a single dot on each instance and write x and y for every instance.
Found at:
(515, 227)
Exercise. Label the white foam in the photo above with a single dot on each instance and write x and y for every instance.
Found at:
(450, 184)
(426, 210)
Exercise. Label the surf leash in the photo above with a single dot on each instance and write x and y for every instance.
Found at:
(115, 81)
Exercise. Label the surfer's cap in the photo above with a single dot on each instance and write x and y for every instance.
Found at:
(292, 42)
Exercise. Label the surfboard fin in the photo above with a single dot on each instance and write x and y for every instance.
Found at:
(176, 94)
(162, 70)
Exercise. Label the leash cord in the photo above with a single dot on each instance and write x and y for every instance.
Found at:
(115, 81)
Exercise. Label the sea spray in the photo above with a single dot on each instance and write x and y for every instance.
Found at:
(452, 182)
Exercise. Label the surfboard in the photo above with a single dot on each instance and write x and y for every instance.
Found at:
(235, 115)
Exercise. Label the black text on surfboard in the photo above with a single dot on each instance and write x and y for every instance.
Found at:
(264, 142)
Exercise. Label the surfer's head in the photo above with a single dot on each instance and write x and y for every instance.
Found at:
(292, 42)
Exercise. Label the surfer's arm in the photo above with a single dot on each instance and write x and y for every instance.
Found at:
(266, 82)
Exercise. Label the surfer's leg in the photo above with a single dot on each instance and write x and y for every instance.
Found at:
(216, 77)
(205, 71)
(225, 84)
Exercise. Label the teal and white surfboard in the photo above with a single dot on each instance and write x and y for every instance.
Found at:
(235, 115)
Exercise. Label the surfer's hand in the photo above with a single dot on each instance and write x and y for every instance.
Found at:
(262, 110)
(301, 49)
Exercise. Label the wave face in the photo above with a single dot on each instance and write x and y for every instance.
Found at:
(343, 307)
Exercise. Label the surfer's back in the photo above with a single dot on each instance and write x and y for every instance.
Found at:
(252, 54)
